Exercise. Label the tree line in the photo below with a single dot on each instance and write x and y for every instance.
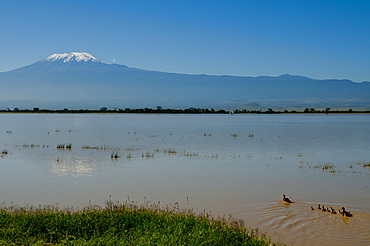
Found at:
(191, 110)
(157, 110)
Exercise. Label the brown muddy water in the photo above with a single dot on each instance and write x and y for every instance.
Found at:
(222, 164)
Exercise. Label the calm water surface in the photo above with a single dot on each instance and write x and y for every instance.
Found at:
(238, 164)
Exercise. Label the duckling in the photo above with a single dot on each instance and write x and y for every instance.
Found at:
(286, 199)
(346, 213)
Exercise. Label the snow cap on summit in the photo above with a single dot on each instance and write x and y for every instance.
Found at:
(72, 56)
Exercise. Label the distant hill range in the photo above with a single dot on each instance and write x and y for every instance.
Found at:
(78, 80)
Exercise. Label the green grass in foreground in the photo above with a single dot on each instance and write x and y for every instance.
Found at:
(121, 224)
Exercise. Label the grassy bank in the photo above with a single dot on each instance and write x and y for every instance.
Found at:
(120, 224)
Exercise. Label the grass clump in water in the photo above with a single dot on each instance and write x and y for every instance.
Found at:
(115, 155)
(364, 164)
(170, 151)
(121, 224)
(327, 166)
(64, 146)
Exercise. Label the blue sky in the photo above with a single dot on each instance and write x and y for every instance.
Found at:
(317, 39)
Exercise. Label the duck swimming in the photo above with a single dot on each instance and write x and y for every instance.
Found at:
(345, 213)
(319, 207)
(286, 199)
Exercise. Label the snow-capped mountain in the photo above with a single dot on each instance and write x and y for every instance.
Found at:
(67, 62)
(79, 80)
(70, 57)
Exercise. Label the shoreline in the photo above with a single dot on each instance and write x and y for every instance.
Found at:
(124, 224)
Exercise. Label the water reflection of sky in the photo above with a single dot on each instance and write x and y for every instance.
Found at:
(71, 166)
(238, 164)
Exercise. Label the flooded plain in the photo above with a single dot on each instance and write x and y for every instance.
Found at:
(222, 164)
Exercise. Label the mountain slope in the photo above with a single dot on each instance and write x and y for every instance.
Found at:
(79, 80)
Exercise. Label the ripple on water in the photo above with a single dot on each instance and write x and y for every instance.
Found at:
(298, 222)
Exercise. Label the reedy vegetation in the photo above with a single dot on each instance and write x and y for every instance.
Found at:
(121, 224)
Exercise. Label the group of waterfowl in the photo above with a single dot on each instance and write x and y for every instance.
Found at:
(331, 210)
(322, 208)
